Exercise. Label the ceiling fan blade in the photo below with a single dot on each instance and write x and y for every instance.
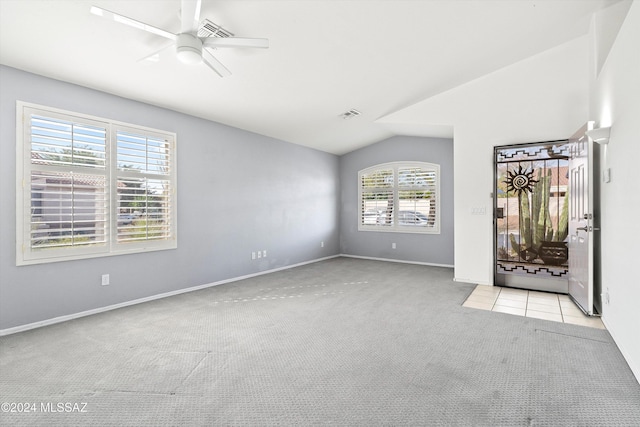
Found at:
(234, 42)
(214, 64)
(190, 16)
(131, 22)
(155, 56)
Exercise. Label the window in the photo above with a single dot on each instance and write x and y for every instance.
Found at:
(91, 187)
(400, 197)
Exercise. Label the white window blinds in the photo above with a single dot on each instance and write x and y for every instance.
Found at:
(417, 196)
(400, 196)
(377, 200)
(67, 182)
(144, 186)
(91, 187)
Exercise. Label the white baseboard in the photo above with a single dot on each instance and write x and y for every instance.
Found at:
(396, 260)
(60, 319)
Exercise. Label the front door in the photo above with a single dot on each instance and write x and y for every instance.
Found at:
(531, 216)
(582, 220)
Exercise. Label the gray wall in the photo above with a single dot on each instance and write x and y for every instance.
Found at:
(238, 192)
(425, 248)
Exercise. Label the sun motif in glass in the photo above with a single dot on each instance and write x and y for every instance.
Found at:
(520, 181)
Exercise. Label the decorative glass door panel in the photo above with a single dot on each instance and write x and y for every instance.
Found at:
(531, 215)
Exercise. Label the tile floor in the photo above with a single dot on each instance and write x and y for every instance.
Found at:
(541, 305)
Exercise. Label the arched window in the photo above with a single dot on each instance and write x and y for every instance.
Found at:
(400, 197)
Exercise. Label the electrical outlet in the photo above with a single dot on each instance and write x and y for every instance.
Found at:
(264, 253)
(482, 210)
(259, 254)
(105, 279)
(393, 246)
(253, 255)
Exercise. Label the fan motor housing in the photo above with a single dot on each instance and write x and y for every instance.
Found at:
(189, 48)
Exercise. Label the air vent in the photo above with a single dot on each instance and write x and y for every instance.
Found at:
(211, 29)
(350, 114)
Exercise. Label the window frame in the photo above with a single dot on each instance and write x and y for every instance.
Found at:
(25, 253)
(394, 190)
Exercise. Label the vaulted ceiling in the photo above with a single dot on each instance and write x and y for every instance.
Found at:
(325, 57)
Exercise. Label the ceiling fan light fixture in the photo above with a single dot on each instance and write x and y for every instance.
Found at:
(188, 55)
(192, 42)
(188, 49)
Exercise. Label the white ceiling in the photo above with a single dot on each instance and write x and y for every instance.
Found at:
(325, 57)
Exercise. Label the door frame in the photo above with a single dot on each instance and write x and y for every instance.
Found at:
(593, 306)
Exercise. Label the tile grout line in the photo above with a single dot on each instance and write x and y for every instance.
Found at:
(496, 299)
(561, 312)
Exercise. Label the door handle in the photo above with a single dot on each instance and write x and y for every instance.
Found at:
(585, 228)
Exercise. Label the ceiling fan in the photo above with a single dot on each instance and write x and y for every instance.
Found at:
(190, 47)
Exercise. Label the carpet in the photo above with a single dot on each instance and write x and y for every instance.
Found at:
(345, 341)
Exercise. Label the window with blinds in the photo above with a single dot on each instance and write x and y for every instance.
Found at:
(143, 186)
(91, 187)
(377, 199)
(399, 196)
